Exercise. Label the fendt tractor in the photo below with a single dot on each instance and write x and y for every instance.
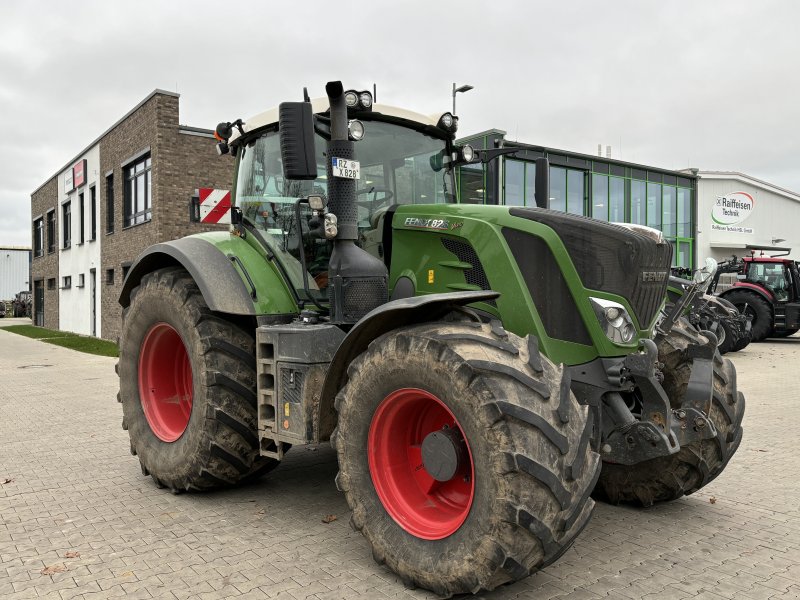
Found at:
(767, 291)
(472, 366)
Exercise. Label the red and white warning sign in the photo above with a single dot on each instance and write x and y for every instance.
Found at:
(215, 205)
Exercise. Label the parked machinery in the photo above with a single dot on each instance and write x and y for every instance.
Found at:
(711, 313)
(473, 366)
(767, 291)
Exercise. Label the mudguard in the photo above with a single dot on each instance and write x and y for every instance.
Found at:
(389, 316)
(223, 288)
(750, 287)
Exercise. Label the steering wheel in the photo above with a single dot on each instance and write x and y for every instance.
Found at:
(375, 190)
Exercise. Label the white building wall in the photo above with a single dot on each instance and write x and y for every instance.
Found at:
(775, 215)
(75, 304)
(14, 271)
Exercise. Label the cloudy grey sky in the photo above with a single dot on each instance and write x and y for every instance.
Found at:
(709, 84)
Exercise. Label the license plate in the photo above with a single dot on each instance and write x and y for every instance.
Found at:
(347, 169)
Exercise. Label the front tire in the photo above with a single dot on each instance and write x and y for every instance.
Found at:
(187, 387)
(515, 489)
(694, 465)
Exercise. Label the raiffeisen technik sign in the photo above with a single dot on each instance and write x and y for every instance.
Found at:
(730, 210)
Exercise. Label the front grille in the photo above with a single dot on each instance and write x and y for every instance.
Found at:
(547, 287)
(611, 258)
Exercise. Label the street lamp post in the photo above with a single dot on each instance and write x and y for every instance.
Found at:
(463, 88)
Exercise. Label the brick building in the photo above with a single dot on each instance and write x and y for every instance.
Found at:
(127, 190)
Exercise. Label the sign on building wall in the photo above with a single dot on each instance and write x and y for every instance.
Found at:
(79, 173)
(730, 210)
(69, 184)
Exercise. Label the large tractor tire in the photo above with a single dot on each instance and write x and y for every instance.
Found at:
(756, 309)
(694, 465)
(463, 455)
(188, 388)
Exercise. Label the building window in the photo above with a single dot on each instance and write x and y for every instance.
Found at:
(669, 226)
(638, 202)
(616, 199)
(81, 280)
(38, 240)
(600, 197)
(110, 204)
(515, 183)
(137, 191)
(66, 282)
(66, 223)
(684, 212)
(51, 232)
(93, 207)
(51, 283)
(654, 204)
(109, 276)
(82, 215)
(575, 191)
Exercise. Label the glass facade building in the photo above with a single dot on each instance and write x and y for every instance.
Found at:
(593, 186)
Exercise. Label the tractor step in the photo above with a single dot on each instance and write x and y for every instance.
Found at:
(292, 360)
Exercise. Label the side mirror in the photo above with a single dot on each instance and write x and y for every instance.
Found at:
(542, 183)
(296, 129)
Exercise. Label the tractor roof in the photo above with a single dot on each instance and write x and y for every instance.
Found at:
(321, 105)
(766, 259)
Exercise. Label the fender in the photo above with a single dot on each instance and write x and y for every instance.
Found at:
(389, 316)
(740, 285)
(257, 289)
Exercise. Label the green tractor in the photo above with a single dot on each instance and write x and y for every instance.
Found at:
(474, 367)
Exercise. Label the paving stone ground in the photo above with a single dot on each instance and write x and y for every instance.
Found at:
(74, 487)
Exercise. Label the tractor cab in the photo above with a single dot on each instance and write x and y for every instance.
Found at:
(777, 275)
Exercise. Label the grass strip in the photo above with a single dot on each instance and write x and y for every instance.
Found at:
(73, 341)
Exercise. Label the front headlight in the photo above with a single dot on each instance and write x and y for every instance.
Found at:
(614, 320)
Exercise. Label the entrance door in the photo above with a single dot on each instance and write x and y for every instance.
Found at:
(38, 301)
(93, 305)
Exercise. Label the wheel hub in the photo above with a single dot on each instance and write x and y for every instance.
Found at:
(443, 453)
(421, 464)
(165, 382)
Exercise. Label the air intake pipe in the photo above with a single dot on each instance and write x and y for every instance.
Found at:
(357, 281)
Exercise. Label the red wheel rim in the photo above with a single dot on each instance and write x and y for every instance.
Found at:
(165, 382)
(424, 507)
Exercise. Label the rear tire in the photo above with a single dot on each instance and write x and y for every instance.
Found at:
(694, 465)
(173, 346)
(757, 309)
(529, 462)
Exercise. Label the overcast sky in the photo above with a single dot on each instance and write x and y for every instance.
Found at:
(711, 84)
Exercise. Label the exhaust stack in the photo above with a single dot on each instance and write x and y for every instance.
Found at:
(357, 281)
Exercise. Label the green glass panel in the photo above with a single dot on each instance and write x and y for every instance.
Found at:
(616, 200)
(515, 183)
(575, 191)
(638, 202)
(600, 197)
(654, 205)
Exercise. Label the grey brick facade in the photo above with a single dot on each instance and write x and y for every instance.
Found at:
(44, 268)
(183, 159)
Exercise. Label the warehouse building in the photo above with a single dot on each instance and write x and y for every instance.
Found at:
(128, 189)
(15, 271)
(735, 211)
(593, 186)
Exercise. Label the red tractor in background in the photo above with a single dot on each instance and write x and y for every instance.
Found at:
(767, 291)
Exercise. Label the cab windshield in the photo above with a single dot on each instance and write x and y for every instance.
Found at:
(395, 169)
